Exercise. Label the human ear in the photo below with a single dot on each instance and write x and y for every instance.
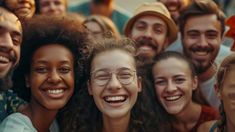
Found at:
(216, 88)
(195, 83)
(89, 87)
(139, 82)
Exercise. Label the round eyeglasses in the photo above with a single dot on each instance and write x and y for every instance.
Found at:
(102, 77)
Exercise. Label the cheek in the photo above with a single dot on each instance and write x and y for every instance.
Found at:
(11, 4)
(61, 7)
(44, 9)
(159, 91)
(159, 38)
(136, 33)
(70, 80)
(36, 79)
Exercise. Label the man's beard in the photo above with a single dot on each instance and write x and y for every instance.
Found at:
(6, 82)
(200, 68)
(144, 41)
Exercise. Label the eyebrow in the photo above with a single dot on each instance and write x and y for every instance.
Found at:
(46, 62)
(107, 69)
(175, 76)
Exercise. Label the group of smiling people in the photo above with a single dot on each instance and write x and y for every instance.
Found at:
(101, 88)
(71, 82)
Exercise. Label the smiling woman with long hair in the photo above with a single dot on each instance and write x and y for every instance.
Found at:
(176, 88)
(113, 97)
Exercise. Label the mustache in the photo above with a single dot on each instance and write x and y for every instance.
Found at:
(146, 41)
(202, 48)
(11, 56)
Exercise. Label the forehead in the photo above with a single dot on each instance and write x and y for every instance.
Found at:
(150, 20)
(52, 52)
(9, 21)
(113, 59)
(171, 66)
(63, 1)
(203, 23)
(92, 25)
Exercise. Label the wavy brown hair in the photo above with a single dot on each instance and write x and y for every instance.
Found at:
(225, 67)
(86, 117)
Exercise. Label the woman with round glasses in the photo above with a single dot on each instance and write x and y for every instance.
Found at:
(113, 97)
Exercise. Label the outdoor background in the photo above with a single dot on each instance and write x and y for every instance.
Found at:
(129, 5)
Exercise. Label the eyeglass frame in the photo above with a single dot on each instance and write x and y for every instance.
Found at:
(110, 73)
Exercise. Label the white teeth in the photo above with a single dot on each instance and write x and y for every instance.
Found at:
(172, 98)
(201, 52)
(55, 91)
(115, 98)
(4, 59)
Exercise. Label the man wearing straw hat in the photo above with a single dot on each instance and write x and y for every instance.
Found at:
(152, 28)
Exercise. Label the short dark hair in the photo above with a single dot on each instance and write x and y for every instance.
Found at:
(200, 8)
(43, 30)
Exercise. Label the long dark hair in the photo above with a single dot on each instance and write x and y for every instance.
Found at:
(85, 116)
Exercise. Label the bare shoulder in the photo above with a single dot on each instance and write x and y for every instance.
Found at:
(205, 127)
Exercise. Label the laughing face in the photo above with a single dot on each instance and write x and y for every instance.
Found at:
(51, 77)
(201, 40)
(173, 84)
(10, 41)
(117, 96)
(150, 34)
(52, 7)
(227, 96)
(175, 7)
(22, 8)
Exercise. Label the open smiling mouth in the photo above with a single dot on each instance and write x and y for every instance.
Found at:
(201, 53)
(115, 99)
(55, 91)
(4, 59)
(173, 98)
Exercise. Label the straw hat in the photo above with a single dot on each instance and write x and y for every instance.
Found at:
(157, 9)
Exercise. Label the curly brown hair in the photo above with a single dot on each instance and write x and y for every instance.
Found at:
(43, 30)
(86, 117)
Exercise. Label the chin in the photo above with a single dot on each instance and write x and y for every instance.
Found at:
(116, 114)
(174, 110)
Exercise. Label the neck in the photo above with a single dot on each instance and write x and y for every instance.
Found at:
(209, 73)
(230, 127)
(117, 124)
(40, 117)
(188, 118)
